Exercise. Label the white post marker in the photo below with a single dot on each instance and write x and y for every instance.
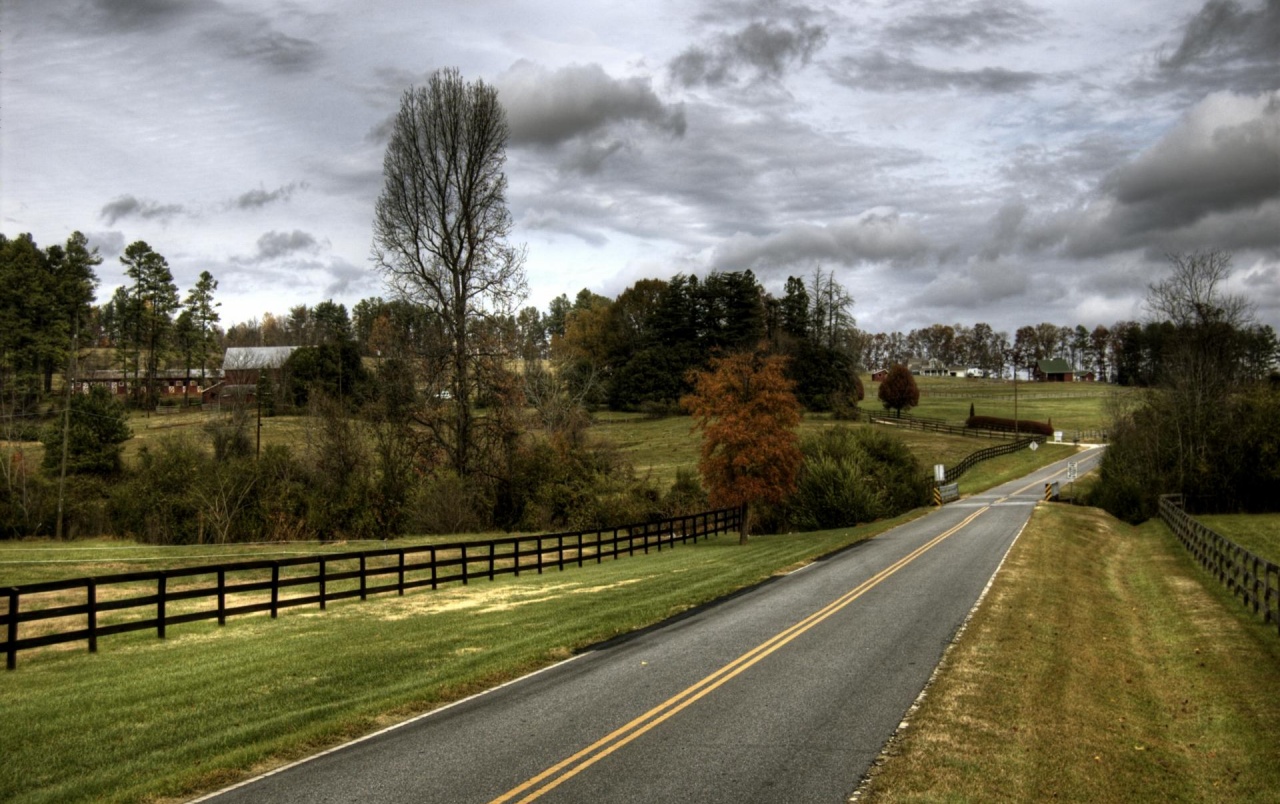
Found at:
(939, 473)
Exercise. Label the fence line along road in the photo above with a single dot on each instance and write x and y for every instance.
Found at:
(1252, 578)
(248, 587)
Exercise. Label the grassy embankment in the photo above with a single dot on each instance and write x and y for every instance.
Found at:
(1103, 666)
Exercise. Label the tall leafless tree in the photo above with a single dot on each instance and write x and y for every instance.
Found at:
(441, 228)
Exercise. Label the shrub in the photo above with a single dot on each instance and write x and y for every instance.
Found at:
(686, 495)
(855, 475)
(445, 503)
(1009, 425)
(158, 503)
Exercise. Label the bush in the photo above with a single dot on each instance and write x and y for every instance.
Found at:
(855, 475)
(686, 495)
(552, 484)
(445, 503)
(1009, 425)
(158, 502)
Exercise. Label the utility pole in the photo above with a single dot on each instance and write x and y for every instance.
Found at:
(66, 423)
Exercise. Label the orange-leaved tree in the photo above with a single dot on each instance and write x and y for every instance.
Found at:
(747, 412)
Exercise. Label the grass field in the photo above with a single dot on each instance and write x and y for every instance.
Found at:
(1258, 533)
(1070, 406)
(1103, 666)
(144, 719)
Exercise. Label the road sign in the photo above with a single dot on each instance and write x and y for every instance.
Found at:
(939, 473)
(1035, 445)
(1071, 471)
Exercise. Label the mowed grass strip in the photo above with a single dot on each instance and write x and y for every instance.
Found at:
(145, 719)
(1103, 666)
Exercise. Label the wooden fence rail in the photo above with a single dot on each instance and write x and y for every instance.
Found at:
(86, 609)
(936, 426)
(966, 463)
(1252, 578)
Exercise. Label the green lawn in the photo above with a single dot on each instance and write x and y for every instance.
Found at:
(145, 718)
(1258, 533)
(1070, 406)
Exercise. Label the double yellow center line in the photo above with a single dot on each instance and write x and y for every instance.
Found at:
(568, 768)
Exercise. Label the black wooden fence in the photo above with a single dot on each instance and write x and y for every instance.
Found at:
(968, 462)
(248, 587)
(1252, 578)
(936, 426)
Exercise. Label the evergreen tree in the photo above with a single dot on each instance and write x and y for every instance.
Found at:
(97, 429)
(156, 298)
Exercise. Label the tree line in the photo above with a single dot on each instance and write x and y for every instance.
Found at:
(1207, 424)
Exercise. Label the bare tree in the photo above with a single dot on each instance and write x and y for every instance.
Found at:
(1195, 296)
(441, 227)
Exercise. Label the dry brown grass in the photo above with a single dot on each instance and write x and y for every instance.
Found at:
(1100, 667)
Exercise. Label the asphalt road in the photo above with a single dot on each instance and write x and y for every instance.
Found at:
(785, 693)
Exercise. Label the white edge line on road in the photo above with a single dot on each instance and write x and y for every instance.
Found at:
(380, 732)
(915, 705)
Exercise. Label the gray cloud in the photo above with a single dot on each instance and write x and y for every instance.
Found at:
(274, 49)
(1005, 229)
(983, 24)
(977, 286)
(234, 33)
(875, 236)
(274, 245)
(127, 206)
(1224, 46)
(881, 72)
(108, 244)
(1211, 182)
(256, 199)
(144, 15)
(546, 108)
(764, 48)
(1223, 29)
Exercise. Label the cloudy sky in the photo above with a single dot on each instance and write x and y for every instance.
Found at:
(1000, 160)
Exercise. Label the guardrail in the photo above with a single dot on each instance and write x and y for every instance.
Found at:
(1252, 578)
(86, 609)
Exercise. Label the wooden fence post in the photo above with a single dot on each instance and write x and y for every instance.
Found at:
(161, 583)
(400, 584)
(363, 586)
(11, 655)
(322, 585)
(222, 597)
(91, 600)
(464, 565)
(275, 588)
